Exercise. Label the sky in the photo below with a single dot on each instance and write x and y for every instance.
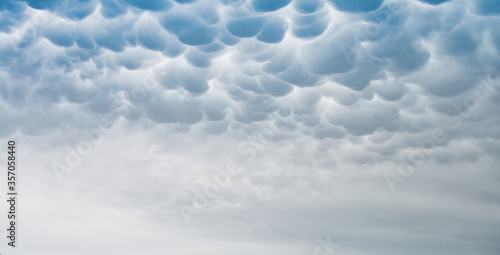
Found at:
(218, 127)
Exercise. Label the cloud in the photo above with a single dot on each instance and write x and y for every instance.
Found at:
(188, 29)
(487, 7)
(435, 2)
(356, 5)
(12, 14)
(246, 27)
(266, 6)
(274, 31)
(305, 7)
(315, 99)
(151, 5)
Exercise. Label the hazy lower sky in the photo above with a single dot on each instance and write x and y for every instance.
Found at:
(252, 127)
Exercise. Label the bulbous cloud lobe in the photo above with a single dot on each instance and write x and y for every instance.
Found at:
(335, 67)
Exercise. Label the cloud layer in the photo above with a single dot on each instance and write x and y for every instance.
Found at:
(356, 92)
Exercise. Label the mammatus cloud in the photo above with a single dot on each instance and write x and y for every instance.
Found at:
(243, 53)
(373, 124)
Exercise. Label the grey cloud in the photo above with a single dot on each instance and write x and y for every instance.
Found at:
(366, 120)
(231, 69)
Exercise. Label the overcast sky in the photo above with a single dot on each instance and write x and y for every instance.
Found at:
(222, 127)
